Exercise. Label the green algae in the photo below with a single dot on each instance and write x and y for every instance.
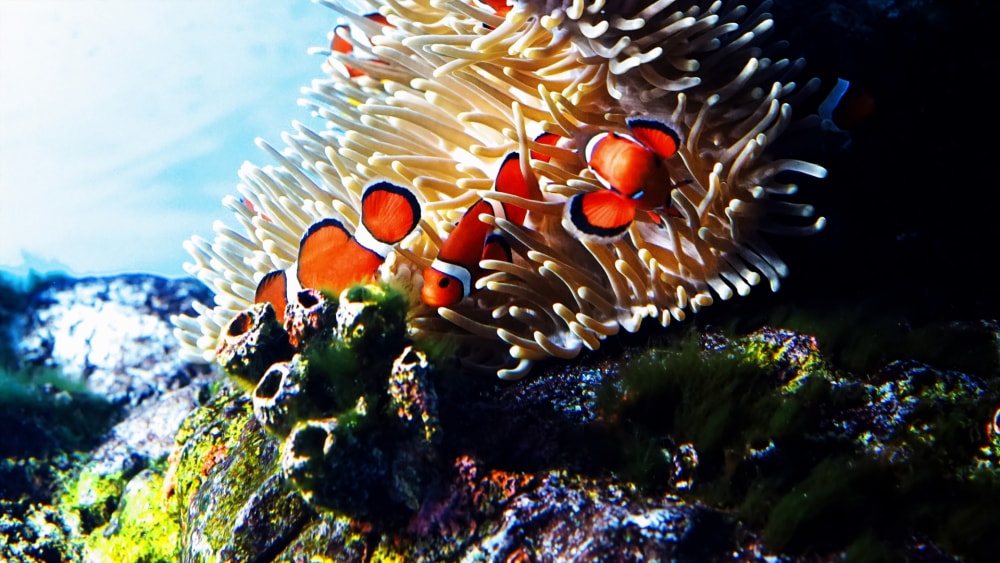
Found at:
(862, 338)
(722, 402)
(225, 462)
(816, 458)
(44, 411)
(143, 529)
(90, 498)
(50, 422)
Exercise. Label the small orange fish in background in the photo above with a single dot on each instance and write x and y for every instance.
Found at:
(450, 278)
(331, 259)
(550, 139)
(632, 168)
(246, 202)
(501, 7)
(846, 107)
(340, 44)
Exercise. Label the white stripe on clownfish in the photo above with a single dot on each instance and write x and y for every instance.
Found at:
(450, 276)
(846, 106)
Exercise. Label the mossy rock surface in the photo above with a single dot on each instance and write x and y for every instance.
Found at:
(233, 504)
(700, 448)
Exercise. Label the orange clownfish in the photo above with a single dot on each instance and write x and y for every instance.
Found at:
(449, 278)
(550, 139)
(331, 259)
(339, 44)
(632, 168)
(500, 7)
(249, 205)
(846, 106)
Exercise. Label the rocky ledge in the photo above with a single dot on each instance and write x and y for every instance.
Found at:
(333, 437)
(112, 335)
(92, 391)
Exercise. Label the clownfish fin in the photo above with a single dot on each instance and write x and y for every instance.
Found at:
(511, 181)
(655, 218)
(550, 139)
(378, 18)
(338, 44)
(659, 217)
(603, 214)
(388, 213)
(273, 289)
(497, 248)
(656, 135)
(253, 209)
(500, 7)
(464, 245)
(343, 37)
(846, 106)
(331, 259)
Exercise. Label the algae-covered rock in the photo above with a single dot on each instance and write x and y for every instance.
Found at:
(346, 425)
(222, 482)
(92, 390)
(714, 446)
(354, 446)
(144, 526)
(819, 460)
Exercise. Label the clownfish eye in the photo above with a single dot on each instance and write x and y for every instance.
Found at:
(443, 283)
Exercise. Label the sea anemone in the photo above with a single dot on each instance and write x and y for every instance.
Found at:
(433, 95)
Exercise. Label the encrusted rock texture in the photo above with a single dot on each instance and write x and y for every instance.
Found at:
(111, 334)
(706, 443)
(854, 413)
(712, 445)
(91, 395)
(703, 447)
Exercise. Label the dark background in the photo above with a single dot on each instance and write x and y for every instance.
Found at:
(911, 200)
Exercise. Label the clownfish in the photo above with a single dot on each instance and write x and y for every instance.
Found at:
(449, 278)
(846, 106)
(546, 139)
(331, 259)
(632, 168)
(500, 7)
(338, 44)
(250, 206)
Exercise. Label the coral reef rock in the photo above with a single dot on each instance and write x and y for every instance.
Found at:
(91, 396)
(112, 333)
(716, 446)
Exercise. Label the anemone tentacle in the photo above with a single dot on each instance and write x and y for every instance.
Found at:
(448, 88)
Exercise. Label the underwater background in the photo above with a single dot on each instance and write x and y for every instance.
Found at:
(883, 339)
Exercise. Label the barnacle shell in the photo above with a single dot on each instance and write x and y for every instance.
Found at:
(308, 314)
(303, 454)
(280, 398)
(253, 341)
(455, 88)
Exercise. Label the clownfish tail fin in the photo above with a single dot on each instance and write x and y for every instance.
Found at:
(389, 212)
(656, 135)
